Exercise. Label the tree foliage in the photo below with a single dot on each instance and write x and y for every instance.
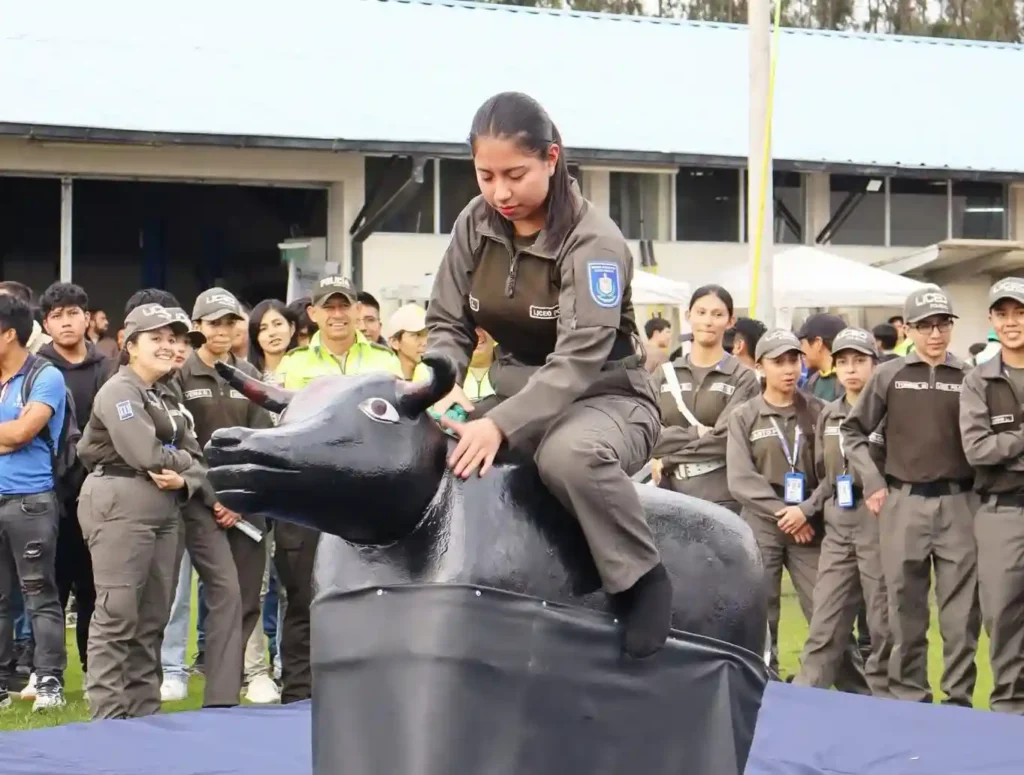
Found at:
(996, 20)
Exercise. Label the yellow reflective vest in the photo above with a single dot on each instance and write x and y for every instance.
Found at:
(304, 364)
(476, 389)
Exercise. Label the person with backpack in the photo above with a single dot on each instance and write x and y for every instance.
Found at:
(66, 319)
(29, 421)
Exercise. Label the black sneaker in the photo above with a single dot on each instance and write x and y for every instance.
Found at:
(5, 697)
(199, 664)
(49, 694)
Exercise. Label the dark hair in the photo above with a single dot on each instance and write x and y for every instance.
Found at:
(302, 319)
(122, 357)
(713, 290)
(149, 296)
(368, 299)
(886, 334)
(18, 290)
(256, 356)
(654, 325)
(895, 319)
(977, 347)
(749, 329)
(17, 314)
(521, 118)
(60, 295)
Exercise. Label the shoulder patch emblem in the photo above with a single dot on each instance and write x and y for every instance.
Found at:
(124, 410)
(605, 283)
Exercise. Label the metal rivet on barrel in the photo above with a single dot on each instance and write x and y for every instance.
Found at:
(478, 593)
(380, 591)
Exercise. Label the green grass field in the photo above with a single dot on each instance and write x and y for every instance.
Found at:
(793, 631)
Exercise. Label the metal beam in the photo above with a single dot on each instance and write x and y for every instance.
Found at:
(844, 211)
(364, 225)
(785, 214)
(66, 201)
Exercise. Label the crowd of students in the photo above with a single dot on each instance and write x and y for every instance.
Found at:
(870, 476)
(104, 502)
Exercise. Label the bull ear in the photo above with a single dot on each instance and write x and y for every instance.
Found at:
(270, 397)
(416, 397)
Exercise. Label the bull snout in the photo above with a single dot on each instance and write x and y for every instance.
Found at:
(225, 444)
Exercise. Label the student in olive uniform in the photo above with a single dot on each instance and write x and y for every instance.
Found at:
(850, 555)
(549, 276)
(993, 439)
(927, 522)
(210, 553)
(214, 405)
(129, 509)
(697, 393)
(772, 474)
(337, 347)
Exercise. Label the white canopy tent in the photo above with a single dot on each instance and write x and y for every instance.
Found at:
(648, 290)
(808, 277)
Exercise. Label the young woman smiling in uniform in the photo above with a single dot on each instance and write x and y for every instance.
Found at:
(548, 276)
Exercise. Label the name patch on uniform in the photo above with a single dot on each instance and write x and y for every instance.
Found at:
(191, 395)
(764, 433)
(831, 430)
(876, 438)
(543, 313)
(474, 303)
(949, 387)
(605, 283)
(722, 387)
(903, 384)
(1002, 419)
(235, 394)
(686, 387)
(124, 410)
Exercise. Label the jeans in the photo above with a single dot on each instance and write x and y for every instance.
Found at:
(174, 652)
(28, 544)
(271, 612)
(22, 621)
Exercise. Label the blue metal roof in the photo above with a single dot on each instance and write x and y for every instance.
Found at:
(373, 72)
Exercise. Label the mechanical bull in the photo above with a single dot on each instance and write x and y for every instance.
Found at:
(458, 626)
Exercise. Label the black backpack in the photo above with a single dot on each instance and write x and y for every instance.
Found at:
(63, 453)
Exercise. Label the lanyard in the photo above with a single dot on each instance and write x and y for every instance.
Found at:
(791, 457)
(842, 448)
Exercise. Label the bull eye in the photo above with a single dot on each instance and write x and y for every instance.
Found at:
(379, 410)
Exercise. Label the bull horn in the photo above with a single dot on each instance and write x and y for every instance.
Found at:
(416, 397)
(270, 397)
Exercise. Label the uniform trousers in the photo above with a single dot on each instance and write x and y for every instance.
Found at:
(131, 528)
(294, 555)
(919, 534)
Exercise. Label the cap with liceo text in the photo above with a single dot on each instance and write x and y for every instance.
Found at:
(195, 338)
(856, 339)
(215, 304)
(408, 317)
(927, 302)
(151, 317)
(334, 285)
(776, 342)
(1007, 288)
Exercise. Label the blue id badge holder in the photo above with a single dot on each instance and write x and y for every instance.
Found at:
(793, 488)
(844, 491)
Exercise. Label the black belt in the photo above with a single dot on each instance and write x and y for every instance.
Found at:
(935, 489)
(623, 354)
(121, 472)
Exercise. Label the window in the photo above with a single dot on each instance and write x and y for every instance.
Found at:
(979, 210)
(860, 222)
(635, 204)
(918, 211)
(789, 218)
(707, 204)
(384, 176)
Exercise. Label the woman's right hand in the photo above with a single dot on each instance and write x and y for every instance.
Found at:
(167, 479)
(456, 396)
(657, 468)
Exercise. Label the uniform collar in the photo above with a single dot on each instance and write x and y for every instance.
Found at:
(951, 360)
(767, 410)
(728, 365)
(196, 365)
(489, 224)
(129, 373)
(316, 343)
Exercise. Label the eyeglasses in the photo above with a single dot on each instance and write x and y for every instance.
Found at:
(943, 327)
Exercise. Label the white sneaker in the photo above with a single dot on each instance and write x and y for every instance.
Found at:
(173, 689)
(262, 690)
(277, 669)
(49, 694)
(31, 688)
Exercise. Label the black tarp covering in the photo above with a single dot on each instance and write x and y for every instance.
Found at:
(454, 680)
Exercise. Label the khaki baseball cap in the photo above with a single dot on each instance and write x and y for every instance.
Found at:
(927, 302)
(215, 304)
(334, 285)
(150, 317)
(855, 339)
(776, 342)
(195, 338)
(1007, 288)
(409, 317)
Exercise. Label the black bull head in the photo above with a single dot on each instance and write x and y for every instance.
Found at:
(357, 457)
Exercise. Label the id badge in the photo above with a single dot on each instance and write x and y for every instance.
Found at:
(794, 488)
(844, 491)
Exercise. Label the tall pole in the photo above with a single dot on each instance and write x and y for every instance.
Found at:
(760, 193)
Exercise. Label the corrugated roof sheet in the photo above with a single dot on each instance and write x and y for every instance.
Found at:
(414, 71)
